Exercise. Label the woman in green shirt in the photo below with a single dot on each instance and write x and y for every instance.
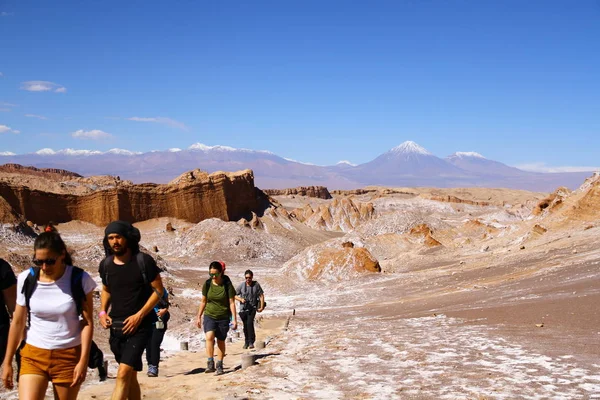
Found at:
(218, 307)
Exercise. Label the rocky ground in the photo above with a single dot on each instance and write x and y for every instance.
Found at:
(482, 294)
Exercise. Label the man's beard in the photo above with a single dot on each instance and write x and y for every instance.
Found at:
(121, 251)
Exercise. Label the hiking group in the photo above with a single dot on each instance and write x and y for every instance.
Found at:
(51, 306)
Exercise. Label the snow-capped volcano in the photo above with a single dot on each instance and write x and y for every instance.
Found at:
(410, 147)
(476, 163)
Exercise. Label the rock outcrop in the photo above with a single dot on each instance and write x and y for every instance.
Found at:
(319, 192)
(342, 214)
(330, 261)
(458, 200)
(7, 214)
(51, 173)
(227, 196)
(424, 232)
(553, 202)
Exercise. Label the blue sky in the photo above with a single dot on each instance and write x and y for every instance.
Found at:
(315, 81)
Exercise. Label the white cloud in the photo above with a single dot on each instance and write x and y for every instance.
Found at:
(174, 150)
(43, 86)
(35, 116)
(542, 167)
(161, 120)
(8, 105)
(5, 109)
(6, 14)
(1, 74)
(8, 129)
(7, 153)
(94, 134)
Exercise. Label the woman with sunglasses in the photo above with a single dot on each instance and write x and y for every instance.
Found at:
(58, 344)
(218, 307)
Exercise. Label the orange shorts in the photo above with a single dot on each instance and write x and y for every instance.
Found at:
(56, 365)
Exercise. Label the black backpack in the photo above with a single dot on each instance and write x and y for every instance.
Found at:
(77, 291)
(142, 265)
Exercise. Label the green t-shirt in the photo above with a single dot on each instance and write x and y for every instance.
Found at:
(217, 301)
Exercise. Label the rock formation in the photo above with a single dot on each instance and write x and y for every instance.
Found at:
(319, 192)
(342, 214)
(330, 261)
(228, 196)
(553, 202)
(424, 232)
(454, 199)
(51, 173)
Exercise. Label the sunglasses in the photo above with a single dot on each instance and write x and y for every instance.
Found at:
(248, 277)
(47, 261)
(215, 275)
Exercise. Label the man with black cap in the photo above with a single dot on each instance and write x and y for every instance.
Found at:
(130, 285)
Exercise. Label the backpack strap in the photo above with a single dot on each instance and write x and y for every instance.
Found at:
(105, 264)
(29, 287)
(142, 265)
(77, 291)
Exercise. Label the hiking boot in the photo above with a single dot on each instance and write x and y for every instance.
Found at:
(219, 368)
(102, 373)
(251, 346)
(245, 346)
(210, 366)
(152, 371)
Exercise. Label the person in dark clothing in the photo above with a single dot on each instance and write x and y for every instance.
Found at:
(97, 361)
(252, 299)
(130, 283)
(160, 318)
(8, 298)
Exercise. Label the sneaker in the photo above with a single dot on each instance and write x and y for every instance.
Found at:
(152, 371)
(210, 366)
(245, 345)
(102, 373)
(251, 346)
(219, 368)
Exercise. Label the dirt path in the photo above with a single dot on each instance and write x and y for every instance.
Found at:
(182, 374)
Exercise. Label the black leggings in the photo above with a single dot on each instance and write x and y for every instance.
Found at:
(153, 346)
(247, 318)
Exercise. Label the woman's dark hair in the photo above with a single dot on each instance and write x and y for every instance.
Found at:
(249, 272)
(216, 265)
(52, 241)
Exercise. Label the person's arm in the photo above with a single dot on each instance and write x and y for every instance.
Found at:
(165, 309)
(232, 308)
(16, 333)
(262, 302)
(201, 311)
(238, 294)
(10, 298)
(105, 320)
(80, 371)
(132, 322)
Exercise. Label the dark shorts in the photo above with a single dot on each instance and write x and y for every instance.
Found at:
(128, 349)
(219, 326)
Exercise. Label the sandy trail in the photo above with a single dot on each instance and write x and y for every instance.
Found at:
(182, 374)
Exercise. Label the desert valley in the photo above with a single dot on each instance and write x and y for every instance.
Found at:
(373, 293)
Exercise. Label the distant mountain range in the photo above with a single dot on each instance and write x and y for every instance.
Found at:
(406, 165)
